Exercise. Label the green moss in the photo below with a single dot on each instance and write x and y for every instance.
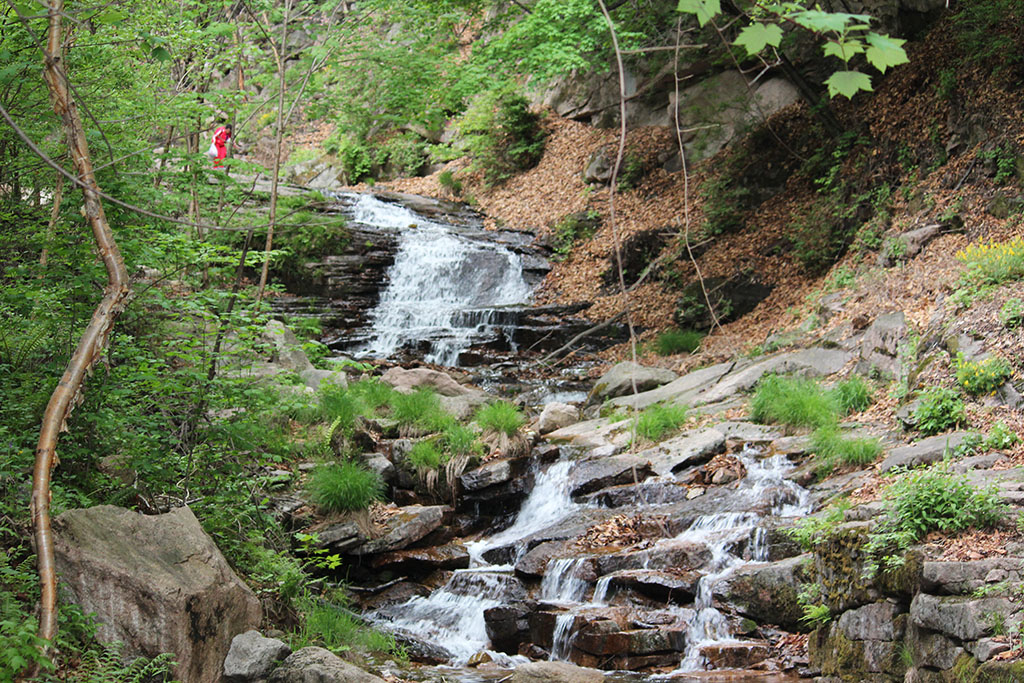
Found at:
(1001, 672)
(904, 579)
(838, 566)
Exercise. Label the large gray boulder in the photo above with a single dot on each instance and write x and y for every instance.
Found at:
(556, 416)
(156, 583)
(963, 618)
(555, 672)
(619, 380)
(923, 452)
(690, 448)
(287, 349)
(407, 381)
(317, 665)
(412, 523)
(252, 657)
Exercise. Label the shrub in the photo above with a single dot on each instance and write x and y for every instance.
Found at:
(940, 409)
(927, 500)
(677, 341)
(425, 454)
(1011, 315)
(501, 417)
(992, 263)
(501, 134)
(1001, 437)
(337, 628)
(984, 376)
(792, 401)
(344, 486)
(660, 419)
(852, 395)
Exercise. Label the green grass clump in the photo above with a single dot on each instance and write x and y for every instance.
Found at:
(672, 342)
(832, 449)
(792, 401)
(660, 419)
(426, 454)
(930, 499)
(501, 417)
(337, 628)
(460, 440)
(940, 409)
(852, 395)
(421, 409)
(344, 486)
(372, 392)
(341, 406)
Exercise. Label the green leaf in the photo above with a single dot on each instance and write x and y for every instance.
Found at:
(847, 83)
(756, 36)
(109, 16)
(221, 29)
(820, 22)
(704, 10)
(160, 54)
(885, 51)
(843, 49)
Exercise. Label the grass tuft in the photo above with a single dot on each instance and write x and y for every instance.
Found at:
(672, 342)
(344, 486)
(501, 417)
(660, 419)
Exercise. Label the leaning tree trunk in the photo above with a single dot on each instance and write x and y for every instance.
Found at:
(93, 340)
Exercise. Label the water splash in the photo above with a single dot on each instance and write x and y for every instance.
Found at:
(444, 289)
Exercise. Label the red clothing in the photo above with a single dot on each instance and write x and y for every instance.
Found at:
(220, 141)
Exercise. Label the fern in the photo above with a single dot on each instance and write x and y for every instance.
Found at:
(107, 666)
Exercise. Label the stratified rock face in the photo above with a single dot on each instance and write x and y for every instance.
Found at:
(317, 665)
(157, 584)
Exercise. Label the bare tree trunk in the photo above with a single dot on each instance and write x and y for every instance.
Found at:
(279, 57)
(95, 338)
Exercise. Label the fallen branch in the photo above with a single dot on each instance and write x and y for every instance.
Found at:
(585, 333)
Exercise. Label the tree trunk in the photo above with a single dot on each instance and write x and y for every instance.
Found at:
(279, 56)
(93, 341)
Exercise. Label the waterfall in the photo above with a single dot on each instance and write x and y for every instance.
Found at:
(445, 289)
(763, 483)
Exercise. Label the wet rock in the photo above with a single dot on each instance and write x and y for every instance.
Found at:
(767, 593)
(960, 617)
(508, 626)
(598, 473)
(621, 379)
(451, 555)
(669, 555)
(252, 657)
(691, 448)
(570, 528)
(670, 585)
(405, 528)
(556, 416)
(535, 562)
(741, 655)
(156, 583)
(341, 537)
(651, 492)
(489, 474)
(879, 350)
(748, 432)
(390, 594)
(555, 672)
(650, 641)
(317, 665)
(923, 452)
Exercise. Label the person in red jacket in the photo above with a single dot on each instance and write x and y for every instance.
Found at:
(220, 141)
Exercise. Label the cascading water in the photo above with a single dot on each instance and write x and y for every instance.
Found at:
(444, 289)
(453, 617)
(764, 484)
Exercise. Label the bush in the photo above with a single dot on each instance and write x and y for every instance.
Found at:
(1001, 437)
(984, 376)
(501, 134)
(931, 499)
(992, 263)
(792, 401)
(672, 342)
(344, 486)
(337, 628)
(501, 417)
(852, 395)
(660, 419)
(425, 454)
(940, 409)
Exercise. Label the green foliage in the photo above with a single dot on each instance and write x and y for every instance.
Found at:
(448, 181)
(792, 401)
(810, 531)
(20, 647)
(501, 135)
(632, 172)
(572, 228)
(725, 200)
(984, 32)
(460, 440)
(344, 486)
(420, 409)
(982, 376)
(335, 627)
(1011, 315)
(992, 263)
(355, 158)
(107, 665)
(926, 500)
(425, 454)
(816, 615)
(830, 446)
(940, 409)
(1005, 160)
(852, 395)
(672, 342)
(660, 419)
(501, 417)
(1001, 437)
